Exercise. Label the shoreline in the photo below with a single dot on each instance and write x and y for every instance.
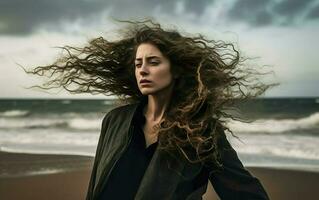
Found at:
(69, 177)
(28, 164)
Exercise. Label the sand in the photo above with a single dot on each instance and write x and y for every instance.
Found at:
(32, 176)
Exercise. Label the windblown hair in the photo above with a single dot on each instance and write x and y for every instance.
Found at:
(212, 76)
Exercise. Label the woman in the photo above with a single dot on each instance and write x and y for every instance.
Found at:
(169, 139)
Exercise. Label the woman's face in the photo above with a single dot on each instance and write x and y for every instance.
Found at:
(153, 66)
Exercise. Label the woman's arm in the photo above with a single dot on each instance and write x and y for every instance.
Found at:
(234, 181)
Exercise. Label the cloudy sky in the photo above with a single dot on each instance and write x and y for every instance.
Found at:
(283, 34)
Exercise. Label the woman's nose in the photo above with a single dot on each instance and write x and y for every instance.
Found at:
(143, 69)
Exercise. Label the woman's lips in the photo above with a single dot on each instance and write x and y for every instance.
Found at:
(144, 81)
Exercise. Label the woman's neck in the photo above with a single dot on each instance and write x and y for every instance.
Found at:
(155, 109)
(157, 105)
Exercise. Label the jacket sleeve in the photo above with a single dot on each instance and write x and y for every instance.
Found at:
(97, 157)
(234, 182)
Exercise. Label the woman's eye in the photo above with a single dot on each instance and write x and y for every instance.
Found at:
(154, 63)
(137, 65)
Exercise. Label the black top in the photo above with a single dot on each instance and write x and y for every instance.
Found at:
(128, 172)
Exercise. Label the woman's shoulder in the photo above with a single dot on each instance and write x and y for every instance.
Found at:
(123, 108)
(121, 111)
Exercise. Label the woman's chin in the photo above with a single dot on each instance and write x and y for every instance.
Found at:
(148, 91)
(154, 91)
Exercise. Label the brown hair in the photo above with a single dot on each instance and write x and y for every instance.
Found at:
(212, 76)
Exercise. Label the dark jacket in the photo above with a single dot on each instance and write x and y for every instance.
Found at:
(164, 180)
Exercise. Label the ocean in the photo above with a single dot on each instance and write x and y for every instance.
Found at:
(285, 132)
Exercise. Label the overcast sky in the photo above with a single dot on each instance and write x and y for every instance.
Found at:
(282, 33)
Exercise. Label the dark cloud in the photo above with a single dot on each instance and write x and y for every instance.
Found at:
(272, 12)
(314, 13)
(24, 16)
(197, 7)
(291, 9)
(253, 12)
(21, 17)
(140, 8)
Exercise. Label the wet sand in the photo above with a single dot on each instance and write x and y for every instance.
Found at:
(65, 177)
(38, 176)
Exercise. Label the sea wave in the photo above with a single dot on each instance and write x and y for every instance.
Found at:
(14, 113)
(277, 126)
(92, 121)
(306, 153)
(293, 146)
(84, 124)
(30, 139)
(69, 142)
(37, 123)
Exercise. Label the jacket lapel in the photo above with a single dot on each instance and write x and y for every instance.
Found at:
(116, 137)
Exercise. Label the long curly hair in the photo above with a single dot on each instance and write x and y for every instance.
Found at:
(212, 76)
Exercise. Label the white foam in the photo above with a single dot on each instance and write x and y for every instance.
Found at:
(14, 113)
(50, 141)
(66, 102)
(293, 146)
(30, 123)
(276, 126)
(36, 122)
(84, 124)
(108, 102)
(49, 138)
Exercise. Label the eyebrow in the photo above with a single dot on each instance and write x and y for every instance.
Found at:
(148, 58)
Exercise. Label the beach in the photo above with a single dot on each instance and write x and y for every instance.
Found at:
(53, 133)
(43, 176)
(65, 177)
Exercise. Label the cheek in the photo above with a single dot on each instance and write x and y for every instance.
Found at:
(164, 76)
